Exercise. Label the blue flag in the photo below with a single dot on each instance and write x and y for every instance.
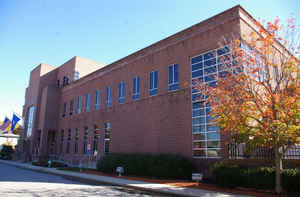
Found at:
(14, 121)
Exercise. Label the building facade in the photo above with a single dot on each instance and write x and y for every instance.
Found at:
(142, 103)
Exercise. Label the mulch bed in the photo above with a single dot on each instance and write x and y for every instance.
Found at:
(190, 184)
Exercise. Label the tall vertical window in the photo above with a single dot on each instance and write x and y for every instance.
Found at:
(68, 141)
(153, 82)
(173, 83)
(61, 141)
(65, 81)
(107, 131)
(136, 88)
(85, 139)
(79, 99)
(95, 141)
(64, 109)
(207, 67)
(71, 106)
(98, 99)
(87, 102)
(76, 140)
(108, 96)
(122, 92)
(30, 121)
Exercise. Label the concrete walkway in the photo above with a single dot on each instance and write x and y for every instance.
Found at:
(140, 185)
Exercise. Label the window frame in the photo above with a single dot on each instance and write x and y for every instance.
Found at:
(153, 83)
(173, 84)
(98, 99)
(136, 88)
(122, 92)
(108, 96)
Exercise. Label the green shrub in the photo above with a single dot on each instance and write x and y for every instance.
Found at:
(6, 152)
(226, 175)
(231, 175)
(291, 180)
(258, 178)
(158, 166)
(57, 164)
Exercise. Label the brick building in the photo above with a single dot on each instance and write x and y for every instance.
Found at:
(142, 103)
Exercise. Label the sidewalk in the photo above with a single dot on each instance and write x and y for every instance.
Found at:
(140, 185)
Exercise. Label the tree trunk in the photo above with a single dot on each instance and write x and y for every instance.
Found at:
(278, 164)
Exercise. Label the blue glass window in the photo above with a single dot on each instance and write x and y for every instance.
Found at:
(198, 73)
(173, 78)
(223, 51)
(196, 59)
(87, 102)
(136, 88)
(153, 89)
(122, 92)
(210, 70)
(98, 99)
(209, 55)
(210, 62)
(197, 66)
(79, 99)
(108, 96)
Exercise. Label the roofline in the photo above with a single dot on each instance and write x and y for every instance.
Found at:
(120, 61)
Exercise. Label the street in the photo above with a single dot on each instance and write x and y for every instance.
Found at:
(26, 183)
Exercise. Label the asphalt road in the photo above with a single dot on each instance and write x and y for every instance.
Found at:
(26, 183)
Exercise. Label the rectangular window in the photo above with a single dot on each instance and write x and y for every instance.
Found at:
(30, 119)
(98, 100)
(61, 141)
(87, 102)
(64, 109)
(76, 140)
(107, 130)
(71, 106)
(108, 96)
(96, 138)
(153, 82)
(136, 88)
(65, 81)
(79, 99)
(173, 83)
(207, 67)
(122, 92)
(85, 139)
(68, 141)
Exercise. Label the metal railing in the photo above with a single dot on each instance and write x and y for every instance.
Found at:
(241, 151)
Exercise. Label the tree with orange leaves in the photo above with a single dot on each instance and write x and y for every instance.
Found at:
(258, 101)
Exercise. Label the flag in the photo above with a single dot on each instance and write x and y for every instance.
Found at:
(5, 124)
(15, 120)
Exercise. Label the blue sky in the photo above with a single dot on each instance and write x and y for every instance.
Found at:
(53, 31)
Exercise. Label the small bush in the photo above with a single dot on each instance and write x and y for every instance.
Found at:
(258, 178)
(6, 152)
(57, 164)
(226, 175)
(231, 175)
(158, 166)
(291, 180)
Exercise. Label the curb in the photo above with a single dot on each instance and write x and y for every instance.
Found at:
(138, 185)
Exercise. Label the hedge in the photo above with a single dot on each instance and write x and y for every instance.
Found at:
(147, 165)
(232, 175)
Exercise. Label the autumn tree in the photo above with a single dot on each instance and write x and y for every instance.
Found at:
(257, 102)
